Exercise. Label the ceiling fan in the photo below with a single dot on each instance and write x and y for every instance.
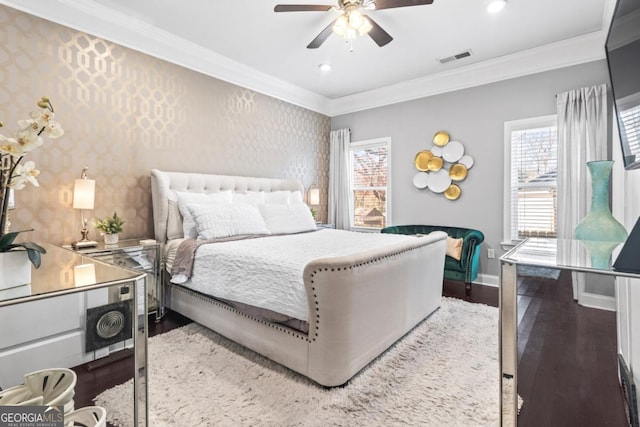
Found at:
(352, 22)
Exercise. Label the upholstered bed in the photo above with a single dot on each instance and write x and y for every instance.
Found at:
(358, 303)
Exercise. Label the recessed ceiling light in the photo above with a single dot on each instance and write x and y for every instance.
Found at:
(496, 6)
(325, 67)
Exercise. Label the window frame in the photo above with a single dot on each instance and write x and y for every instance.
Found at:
(370, 143)
(510, 127)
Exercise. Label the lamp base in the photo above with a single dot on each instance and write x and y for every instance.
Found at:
(84, 244)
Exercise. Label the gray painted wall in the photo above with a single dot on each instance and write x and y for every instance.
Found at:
(475, 117)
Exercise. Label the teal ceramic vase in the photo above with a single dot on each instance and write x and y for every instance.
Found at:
(599, 230)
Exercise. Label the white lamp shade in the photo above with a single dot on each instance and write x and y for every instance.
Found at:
(314, 196)
(84, 191)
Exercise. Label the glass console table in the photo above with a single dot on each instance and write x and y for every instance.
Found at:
(45, 315)
(572, 255)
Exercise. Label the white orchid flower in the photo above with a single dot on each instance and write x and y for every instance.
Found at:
(28, 140)
(29, 125)
(11, 147)
(23, 174)
(42, 122)
(42, 116)
(53, 130)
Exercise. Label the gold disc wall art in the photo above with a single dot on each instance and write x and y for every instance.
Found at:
(422, 160)
(435, 164)
(458, 172)
(441, 165)
(453, 192)
(441, 138)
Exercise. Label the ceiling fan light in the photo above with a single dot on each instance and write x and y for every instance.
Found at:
(355, 19)
(351, 34)
(341, 25)
(365, 27)
(496, 6)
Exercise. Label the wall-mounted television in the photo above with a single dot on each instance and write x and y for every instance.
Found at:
(623, 58)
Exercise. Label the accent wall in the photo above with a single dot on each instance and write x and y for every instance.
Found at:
(124, 113)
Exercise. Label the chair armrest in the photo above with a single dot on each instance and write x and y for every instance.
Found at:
(471, 240)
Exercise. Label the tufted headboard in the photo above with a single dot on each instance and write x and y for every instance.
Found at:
(163, 184)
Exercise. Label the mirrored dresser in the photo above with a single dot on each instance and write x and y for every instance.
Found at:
(75, 310)
(575, 256)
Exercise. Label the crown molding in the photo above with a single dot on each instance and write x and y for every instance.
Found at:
(133, 33)
(565, 53)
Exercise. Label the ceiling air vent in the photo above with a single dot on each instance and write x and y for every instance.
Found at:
(455, 57)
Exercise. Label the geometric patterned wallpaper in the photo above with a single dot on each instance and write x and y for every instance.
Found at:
(125, 112)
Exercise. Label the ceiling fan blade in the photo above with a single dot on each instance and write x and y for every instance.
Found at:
(302, 8)
(388, 4)
(380, 36)
(320, 38)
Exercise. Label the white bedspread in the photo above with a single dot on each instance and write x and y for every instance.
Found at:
(267, 272)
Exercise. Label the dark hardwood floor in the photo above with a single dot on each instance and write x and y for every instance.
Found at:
(567, 356)
(93, 381)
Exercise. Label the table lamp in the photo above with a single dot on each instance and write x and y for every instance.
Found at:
(314, 196)
(84, 191)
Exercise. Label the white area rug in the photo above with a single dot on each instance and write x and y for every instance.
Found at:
(444, 372)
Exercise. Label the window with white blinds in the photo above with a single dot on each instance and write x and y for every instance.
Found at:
(370, 164)
(531, 208)
(630, 118)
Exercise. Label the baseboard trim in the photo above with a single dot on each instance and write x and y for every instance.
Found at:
(601, 302)
(488, 280)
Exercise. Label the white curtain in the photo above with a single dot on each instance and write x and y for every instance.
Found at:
(339, 179)
(582, 137)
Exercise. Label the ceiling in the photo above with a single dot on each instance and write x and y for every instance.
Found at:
(246, 43)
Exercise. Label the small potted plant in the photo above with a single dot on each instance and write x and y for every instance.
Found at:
(110, 227)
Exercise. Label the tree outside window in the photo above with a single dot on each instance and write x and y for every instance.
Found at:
(370, 162)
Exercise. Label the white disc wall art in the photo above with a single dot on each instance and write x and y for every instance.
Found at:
(439, 181)
(453, 151)
(421, 180)
(466, 160)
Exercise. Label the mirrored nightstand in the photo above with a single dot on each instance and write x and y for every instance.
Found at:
(138, 255)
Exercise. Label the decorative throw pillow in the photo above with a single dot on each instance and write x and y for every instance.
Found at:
(287, 219)
(185, 199)
(277, 197)
(251, 197)
(454, 248)
(226, 220)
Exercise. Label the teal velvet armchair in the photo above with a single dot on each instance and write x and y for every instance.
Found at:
(465, 269)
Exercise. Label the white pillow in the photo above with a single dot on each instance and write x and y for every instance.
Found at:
(287, 219)
(296, 197)
(226, 220)
(277, 197)
(251, 197)
(185, 199)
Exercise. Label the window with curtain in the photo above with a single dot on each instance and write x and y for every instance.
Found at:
(531, 166)
(370, 183)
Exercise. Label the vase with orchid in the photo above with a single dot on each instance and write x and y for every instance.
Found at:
(14, 175)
